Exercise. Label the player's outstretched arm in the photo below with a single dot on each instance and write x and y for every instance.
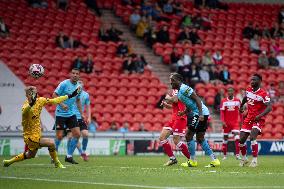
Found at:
(166, 105)
(60, 99)
(171, 99)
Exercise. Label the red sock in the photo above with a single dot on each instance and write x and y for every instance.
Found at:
(254, 147)
(167, 148)
(184, 149)
(237, 145)
(243, 148)
(225, 148)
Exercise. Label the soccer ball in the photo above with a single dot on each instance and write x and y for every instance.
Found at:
(36, 70)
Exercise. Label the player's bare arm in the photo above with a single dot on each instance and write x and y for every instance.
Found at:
(194, 97)
(88, 110)
(266, 111)
(244, 101)
(185, 112)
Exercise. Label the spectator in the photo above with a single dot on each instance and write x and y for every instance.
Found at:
(275, 31)
(122, 49)
(204, 74)
(272, 92)
(78, 63)
(103, 35)
(113, 126)
(257, 31)
(130, 64)
(147, 9)
(194, 76)
(63, 41)
(217, 100)
(186, 21)
(248, 31)
(241, 95)
(184, 64)
(199, 3)
(207, 59)
(92, 4)
(157, 14)
(274, 47)
(142, 128)
(62, 4)
(38, 3)
(281, 16)
(168, 7)
(113, 33)
(134, 19)
(266, 32)
(217, 58)
(263, 60)
(273, 61)
(206, 22)
(151, 36)
(178, 7)
(142, 27)
(216, 4)
(280, 58)
(194, 38)
(175, 57)
(93, 126)
(225, 76)
(163, 35)
(254, 45)
(213, 75)
(4, 30)
(89, 64)
(124, 128)
(185, 37)
(141, 63)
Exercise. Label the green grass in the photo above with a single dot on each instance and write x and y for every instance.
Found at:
(143, 172)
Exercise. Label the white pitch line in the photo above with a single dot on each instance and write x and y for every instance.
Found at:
(140, 186)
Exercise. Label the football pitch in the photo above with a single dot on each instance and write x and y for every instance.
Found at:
(115, 172)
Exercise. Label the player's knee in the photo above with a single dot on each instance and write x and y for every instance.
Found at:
(188, 138)
(176, 140)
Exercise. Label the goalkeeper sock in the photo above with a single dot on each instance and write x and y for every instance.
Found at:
(18, 158)
(53, 154)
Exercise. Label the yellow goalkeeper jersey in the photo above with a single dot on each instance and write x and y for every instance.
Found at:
(31, 115)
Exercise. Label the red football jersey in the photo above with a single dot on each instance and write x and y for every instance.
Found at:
(256, 102)
(230, 110)
(177, 107)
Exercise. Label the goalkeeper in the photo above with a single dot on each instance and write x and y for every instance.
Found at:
(31, 111)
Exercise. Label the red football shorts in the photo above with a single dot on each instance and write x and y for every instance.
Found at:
(249, 124)
(231, 128)
(178, 126)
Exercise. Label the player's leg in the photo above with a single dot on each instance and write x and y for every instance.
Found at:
(243, 147)
(179, 128)
(254, 146)
(85, 135)
(30, 153)
(207, 149)
(47, 142)
(166, 132)
(72, 124)
(237, 143)
(191, 149)
(225, 145)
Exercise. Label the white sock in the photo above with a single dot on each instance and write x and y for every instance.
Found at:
(212, 156)
(68, 156)
(254, 159)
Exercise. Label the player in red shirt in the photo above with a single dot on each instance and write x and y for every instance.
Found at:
(258, 104)
(175, 127)
(230, 118)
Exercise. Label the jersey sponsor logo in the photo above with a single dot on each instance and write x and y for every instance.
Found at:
(187, 91)
(277, 147)
(254, 96)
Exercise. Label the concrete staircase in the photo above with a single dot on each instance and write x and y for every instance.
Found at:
(160, 70)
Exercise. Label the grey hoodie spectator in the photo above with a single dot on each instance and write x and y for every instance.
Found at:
(254, 45)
